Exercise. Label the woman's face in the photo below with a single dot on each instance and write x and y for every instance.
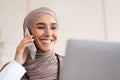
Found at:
(45, 32)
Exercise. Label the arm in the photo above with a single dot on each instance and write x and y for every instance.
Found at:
(13, 71)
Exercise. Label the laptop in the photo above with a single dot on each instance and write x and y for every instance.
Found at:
(91, 60)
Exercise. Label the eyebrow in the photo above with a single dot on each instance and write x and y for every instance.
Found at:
(41, 23)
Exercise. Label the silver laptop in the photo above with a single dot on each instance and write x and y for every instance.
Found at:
(91, 60)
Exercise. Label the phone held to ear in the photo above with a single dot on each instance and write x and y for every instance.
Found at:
(32, 47)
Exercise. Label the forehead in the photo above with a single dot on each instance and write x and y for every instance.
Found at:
(46, 18)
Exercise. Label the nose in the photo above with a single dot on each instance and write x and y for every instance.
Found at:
(48, 32)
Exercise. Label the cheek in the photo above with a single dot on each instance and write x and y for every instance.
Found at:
(37, 33)
(36, 36)
(56, 35)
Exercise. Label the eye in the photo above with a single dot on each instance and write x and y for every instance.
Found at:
(53, 27)
(40, 27)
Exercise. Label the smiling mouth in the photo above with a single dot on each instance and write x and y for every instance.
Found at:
(46, 40)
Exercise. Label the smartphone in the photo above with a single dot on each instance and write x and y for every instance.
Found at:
(32, 47)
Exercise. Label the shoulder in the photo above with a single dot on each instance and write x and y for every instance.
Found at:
(61, 58)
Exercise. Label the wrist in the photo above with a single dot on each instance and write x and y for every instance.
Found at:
(18, 61)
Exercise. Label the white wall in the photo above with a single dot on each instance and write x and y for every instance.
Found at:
(82, 19)
(12, 13)
(112, 15)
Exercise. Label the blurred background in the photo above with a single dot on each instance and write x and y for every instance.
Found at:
(80, 19)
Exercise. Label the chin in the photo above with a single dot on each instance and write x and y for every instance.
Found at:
(45, 49)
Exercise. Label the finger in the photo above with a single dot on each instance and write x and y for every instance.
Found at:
(27, 39)
(23, 43)
(31, 36)
(23, 47)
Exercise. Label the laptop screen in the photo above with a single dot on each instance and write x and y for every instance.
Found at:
(91, 60)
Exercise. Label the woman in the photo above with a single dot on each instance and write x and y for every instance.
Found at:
(42, 24)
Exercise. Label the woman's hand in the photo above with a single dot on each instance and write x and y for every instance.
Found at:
(22, 50)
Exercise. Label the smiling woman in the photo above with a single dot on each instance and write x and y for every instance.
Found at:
(43, 26)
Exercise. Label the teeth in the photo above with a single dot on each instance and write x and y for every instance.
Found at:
(48, 41)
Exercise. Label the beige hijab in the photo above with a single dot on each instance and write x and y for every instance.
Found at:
(44, 67)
